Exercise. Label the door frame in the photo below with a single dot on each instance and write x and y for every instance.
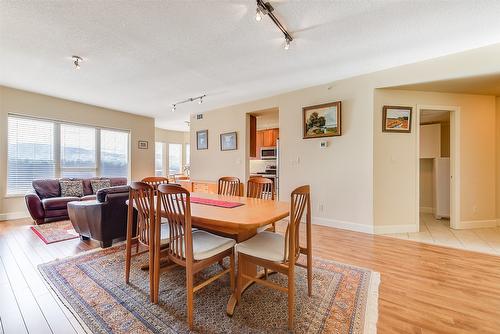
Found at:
(454, 162)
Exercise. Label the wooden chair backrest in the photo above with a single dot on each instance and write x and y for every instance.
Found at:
(300, 202)
(260, 187)
(229, 186)
(155, 181)
(174, 203)
(141, 196)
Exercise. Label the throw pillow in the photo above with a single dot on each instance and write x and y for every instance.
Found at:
(99, 184)
(71, 188)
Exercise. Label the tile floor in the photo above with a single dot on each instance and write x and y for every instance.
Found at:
(438, 232)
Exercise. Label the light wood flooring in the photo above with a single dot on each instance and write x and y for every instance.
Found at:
(424, 288)
(438, 232)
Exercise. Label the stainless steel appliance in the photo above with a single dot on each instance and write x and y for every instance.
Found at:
(268, 153)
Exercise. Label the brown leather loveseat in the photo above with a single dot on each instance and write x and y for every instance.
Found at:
(45, 203)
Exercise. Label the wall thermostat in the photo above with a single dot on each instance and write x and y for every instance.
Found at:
(323, 144)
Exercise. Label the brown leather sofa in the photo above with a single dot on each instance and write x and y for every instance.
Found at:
(103, 219)
(45, 203)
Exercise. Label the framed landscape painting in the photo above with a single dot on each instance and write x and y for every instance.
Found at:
(228, 141)
(396, 119)
(202, 140)
(323, 120)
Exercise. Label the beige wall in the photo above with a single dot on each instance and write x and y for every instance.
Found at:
(395, 158)
(172, 137)
(37, 105)
(340, 175)
(353, 179)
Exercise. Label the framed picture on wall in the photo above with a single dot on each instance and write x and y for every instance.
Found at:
(202, 140)
(142, 144)
(323, 120)
(228, 141)
(396, 119)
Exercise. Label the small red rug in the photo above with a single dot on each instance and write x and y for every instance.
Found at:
(215, 202)
(55, 232)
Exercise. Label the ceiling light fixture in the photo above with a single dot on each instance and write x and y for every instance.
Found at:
(76, 61)
(191, 99)
(265, 8)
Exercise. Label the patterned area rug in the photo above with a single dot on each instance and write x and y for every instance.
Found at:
(345, 298)
(55, 232)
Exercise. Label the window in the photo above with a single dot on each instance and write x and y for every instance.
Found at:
(188, 155)
(30, 153)
(40, 149)
(114, 153)
(78, 152)
(159, 159)
(174, 159)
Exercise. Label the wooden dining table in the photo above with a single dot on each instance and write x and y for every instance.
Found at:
(239, 223)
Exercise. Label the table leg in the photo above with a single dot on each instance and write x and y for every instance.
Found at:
(249, 269)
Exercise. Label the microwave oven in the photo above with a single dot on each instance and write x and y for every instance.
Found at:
(268, 153)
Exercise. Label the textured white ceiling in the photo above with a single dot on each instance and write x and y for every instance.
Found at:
(142, 56)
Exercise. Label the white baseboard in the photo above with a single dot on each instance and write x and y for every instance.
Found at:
(389, 229)
(478, 224)
(343, 225)
(13, 215)
(426, 209)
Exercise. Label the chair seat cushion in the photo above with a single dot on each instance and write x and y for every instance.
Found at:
(206, 244)
(265, 245)
(55, 203)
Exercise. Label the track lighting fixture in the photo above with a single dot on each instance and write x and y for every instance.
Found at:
(76, 61)
(265, 8)
(191, 99)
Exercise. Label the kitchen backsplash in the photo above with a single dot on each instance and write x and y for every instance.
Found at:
(257, 166)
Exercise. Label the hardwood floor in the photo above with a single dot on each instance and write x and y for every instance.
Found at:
(424, 288)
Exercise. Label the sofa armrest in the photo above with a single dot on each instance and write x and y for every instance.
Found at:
(103, 193)
(35, 207)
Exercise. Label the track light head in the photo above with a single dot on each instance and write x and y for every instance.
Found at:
(201, 100)
(174, 107)
(287, 43)
(76, 61)
(258, 15)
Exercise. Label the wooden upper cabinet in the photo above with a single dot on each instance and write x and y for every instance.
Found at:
(269, 137)
(253, 137)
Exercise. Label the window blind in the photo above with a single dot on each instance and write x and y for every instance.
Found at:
(158, 159)
(114, 153)
(174, 158)
(30, 153)
(78, 151)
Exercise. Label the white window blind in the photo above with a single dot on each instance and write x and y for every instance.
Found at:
(188, 154)
(78, 151)
(39, 149)
(114, 153)
(159, 159)
(30, 153)
(174, 159)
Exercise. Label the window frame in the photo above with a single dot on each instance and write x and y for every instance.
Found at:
(58, 169)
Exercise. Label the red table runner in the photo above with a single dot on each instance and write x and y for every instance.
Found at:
(215, 202)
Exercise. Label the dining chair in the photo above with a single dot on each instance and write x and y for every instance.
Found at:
(260, 187)
(155, 181)
(229, 186)
(263, 188)
(141, 197)
(279, 252)
(193, 249)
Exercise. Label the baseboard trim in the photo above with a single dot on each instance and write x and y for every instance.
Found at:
(389, 229)
(477, 224)
(343, 225)
(426, 209)
(13, 215)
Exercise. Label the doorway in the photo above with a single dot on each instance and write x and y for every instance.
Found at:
(438, 165)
